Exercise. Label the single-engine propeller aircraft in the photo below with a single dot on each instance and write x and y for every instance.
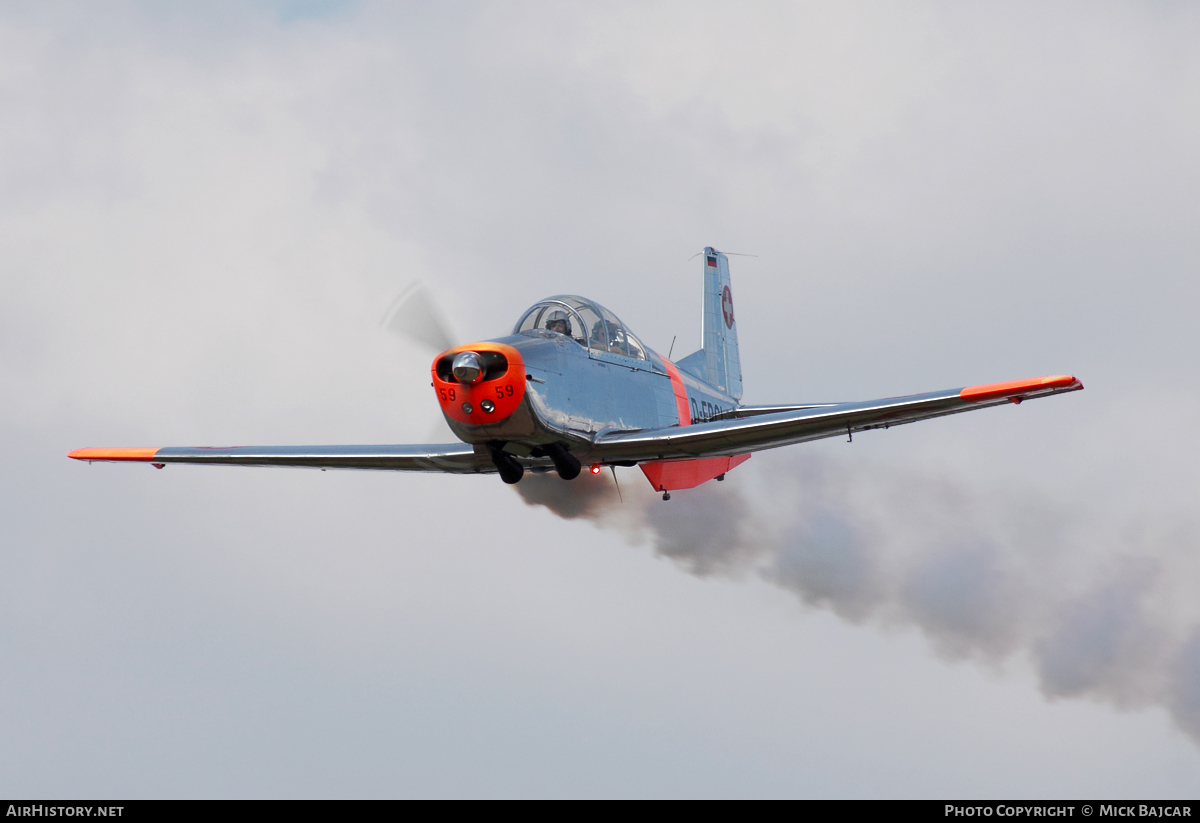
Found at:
(572, 385)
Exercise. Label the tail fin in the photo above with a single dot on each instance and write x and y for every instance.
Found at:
(718, 363)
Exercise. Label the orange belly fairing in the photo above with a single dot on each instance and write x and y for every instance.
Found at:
(669, 475)
(505, 391)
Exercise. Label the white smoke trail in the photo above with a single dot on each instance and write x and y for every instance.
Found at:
(1102, 609)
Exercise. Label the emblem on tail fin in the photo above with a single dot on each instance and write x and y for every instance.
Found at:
(727, 307)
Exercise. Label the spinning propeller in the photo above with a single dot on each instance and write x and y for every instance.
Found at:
(415, 315)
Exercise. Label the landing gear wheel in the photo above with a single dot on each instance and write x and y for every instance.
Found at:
(566, 464)
(510, 470)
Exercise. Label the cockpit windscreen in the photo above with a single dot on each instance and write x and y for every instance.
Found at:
(587, 323)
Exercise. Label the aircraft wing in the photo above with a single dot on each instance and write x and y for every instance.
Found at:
(756, 428)
(767, 428)
(458, 458)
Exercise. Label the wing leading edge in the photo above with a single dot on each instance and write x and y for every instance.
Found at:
(767, 429)
(457, 458)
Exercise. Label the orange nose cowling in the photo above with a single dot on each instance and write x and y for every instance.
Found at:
(504, 390)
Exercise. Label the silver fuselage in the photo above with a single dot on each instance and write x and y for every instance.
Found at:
(573, 393)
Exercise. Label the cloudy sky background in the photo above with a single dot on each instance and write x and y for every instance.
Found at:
(206, 209)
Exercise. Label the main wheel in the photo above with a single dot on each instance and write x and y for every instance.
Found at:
(566, 464)
(510, 470)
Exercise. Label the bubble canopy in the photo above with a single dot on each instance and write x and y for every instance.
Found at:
(586, 322)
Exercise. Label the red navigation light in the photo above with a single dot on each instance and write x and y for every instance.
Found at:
(595, 468)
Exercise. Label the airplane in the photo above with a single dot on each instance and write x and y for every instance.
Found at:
(572, 386)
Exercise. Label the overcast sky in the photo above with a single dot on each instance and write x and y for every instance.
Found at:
(206, 209)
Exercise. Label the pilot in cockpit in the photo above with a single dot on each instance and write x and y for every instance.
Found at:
(559, 322)
(616, 336)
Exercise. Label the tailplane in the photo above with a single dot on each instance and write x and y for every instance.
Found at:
(718, 363)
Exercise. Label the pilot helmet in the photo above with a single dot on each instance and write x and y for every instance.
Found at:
(559, 316)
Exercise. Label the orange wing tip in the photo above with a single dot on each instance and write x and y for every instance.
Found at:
(143, 455)
(1018, 388)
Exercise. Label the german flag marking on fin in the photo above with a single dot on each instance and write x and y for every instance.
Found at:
(1014, 388)
(143, 455)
